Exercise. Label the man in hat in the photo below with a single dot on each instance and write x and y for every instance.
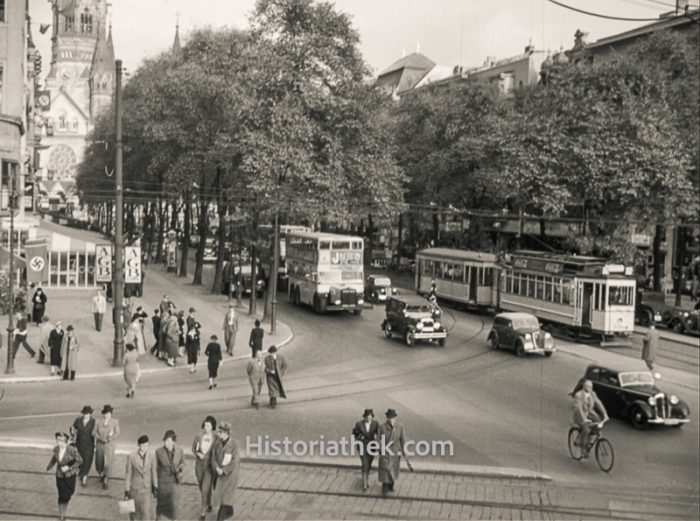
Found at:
(55, 343)
(365, 432)
(256, 377)
(21, 336)
(170, 463)
(99, 308)
(230, 328)
(141, 480)
(256, 338)
(275, 368)
(225, 463)
(391, 434)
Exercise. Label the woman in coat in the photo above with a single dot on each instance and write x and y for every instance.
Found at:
(67, 460)
(172, 339)
(365, 431)
(132, 370)
(55, 343)
(69, 354)
(105, 433)
(38, 306)
(225, 464)
(81, 430)
(214, 358)
(201, 448)
(141, 480)
(193, 346)
(181, 332)
(170, 464)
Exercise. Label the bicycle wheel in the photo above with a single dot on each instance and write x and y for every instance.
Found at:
(573, 437)
(604, 454)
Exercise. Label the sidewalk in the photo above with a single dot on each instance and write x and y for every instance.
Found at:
(72, 306)
(282, 491)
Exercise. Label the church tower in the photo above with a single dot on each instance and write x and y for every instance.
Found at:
(101, 74)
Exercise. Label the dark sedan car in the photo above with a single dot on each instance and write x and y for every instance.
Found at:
(681, 320)
(378, 288)
(632, 394)
(520, 332)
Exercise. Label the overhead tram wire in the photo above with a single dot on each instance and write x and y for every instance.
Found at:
(598, 15)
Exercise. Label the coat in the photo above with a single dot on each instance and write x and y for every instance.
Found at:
(256, 373)
(584, 405)
(132, 370)
(169, 467)
(202, 467)
(71, 458)
(140, 479)
(274, 371)
(172, 337)
(55, 343)
(99, 304)
(389, 464)
(46, 328)
(134, 335)
(650, 345)
(84, 442)
(256, 339)
(227, 456)
(38, 306)
(69, 353)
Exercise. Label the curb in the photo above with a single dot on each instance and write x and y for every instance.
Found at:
(433, 469)
(120, 373)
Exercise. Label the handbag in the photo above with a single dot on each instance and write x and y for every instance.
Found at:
(127, 506)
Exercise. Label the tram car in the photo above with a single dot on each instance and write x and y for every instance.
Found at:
(574, 296)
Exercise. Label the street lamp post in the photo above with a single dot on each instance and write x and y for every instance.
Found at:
(118, 227)
(276, 256)
(10, 368)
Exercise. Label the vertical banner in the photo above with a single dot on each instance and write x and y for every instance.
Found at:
(37, 264)
(132, 264)
(103, 263)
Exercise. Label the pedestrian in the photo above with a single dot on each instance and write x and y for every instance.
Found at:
(275, 368)
(390, 434)
(44, 349)
(214, 358)
(105, 433)
(165, 305)
(99, 308)
(55, 343)
(230, 328)
(21, 336)
(69, 354)
(193, 346)
(67, 460)
(127, 313)
(201, 448)
(81, 432)
(181, 333)
(172, 339)
(170, 464)
(256, 377)
(155, 320)
(365, 431)
(225, 464)
(650, 346)
(38, 306)
(132, 370)
(141, 480)
(256, 338)
(191, 320)
(134, 334)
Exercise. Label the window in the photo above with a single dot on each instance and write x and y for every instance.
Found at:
(548, 289)
(68, 24)
(531, 287)
(85, 22)
(620, 296)
(8, 172)
(426, 267)
(488, 276)
(438, 269)
(565, 293)
(324, 245)
(458, 273)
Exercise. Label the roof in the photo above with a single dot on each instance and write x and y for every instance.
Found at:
(517, 316)
(629, 366)
(414, 60)
(324, 236)
(102, 59)
(450, 253)
(412, 300)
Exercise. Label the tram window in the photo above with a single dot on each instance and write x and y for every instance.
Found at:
(598, 296)
(531, 287)
(620, 296)
(516, 284)
(426, 267)
(548, 289)
(447, 271)
(458, 273)
(508, 283)
(438, 269)
(488, 276)
(565, 294)
(540, 288)
(556, 290)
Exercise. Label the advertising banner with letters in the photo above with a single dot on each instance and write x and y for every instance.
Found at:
(132, 264)
(37, 265)
(103, 263)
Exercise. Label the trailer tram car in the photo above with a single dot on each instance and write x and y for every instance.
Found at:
(576, 296)
(466, 277)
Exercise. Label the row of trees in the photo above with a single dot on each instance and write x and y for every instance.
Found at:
(285, 116)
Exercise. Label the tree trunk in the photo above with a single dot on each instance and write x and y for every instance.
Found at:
(656, 253)
(203, 219)
(174, 216)
(436, 227)
(186, 236)
(400, 236)
(223, 212)
(521, 226)
(253, 279)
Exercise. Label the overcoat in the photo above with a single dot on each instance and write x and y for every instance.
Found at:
(38, 306)
(256, 339)
(140, 479)
(105, 445)
(170, 466)
(46, 328)
(256, 374)
(55, 343)
(172, 337)
(389, 463)
(69, 353)
(274, 371)
(226, 455)
(84, 442)
(202, 466)
(134, 335)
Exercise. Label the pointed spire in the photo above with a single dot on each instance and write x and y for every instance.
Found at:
(110, 44)
(177, 49)
(103, 59)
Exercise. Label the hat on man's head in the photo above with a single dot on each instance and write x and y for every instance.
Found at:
(69, 328)
(391, 413)
(368, 412)
(59, 323)
(273, 349)
(170, 434)
(225, 426)
(107, 408)
(86, 410)
(142, 439)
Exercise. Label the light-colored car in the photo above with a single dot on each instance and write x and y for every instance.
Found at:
(521, 333)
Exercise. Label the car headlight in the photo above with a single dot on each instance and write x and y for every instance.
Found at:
(437, 325)
(528, 336)
(360, 301)
(674, 399)
(419, 326)
(651, 401)
(337, 302)
(686, 314)
(547, 336)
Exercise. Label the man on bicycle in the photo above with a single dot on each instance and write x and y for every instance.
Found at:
(586, 403)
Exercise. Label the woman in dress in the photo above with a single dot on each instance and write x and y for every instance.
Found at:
(193, 346)
(170, 464)
(134, 334)
(69, 354)
(365, 431)
(38, 306)
(201, 448)
(81, 430)
(181, 332)
(67, 460)
(132, 370)
(214, 357)
(106, 431)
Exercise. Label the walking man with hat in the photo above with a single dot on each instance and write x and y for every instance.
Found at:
(141, 480)
(391, 434)
(256, 377)
(275, 368)
(365, 431)
(225, 464)
(230, 328)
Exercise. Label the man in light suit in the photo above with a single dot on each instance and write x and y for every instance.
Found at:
(141, 480)
(230, 328)
(588, 410)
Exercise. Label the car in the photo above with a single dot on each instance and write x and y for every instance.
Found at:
(378, 288)
(411, 318)
(521, 333)
(210, 250)
(242, 276)
(630, 393)
(680, 320)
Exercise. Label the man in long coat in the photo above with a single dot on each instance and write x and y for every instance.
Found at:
(225, 464)
(170, 463)
(256, 377)
(650, 345)
(141, 480)
(230, 328)
(172, 339)
(275, 367)
(44, 349)
(69, 354)
(390, 431)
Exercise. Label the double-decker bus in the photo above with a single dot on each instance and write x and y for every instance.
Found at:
(325, 271)
(266, 252)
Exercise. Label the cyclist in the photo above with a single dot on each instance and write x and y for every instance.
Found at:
(586, 403)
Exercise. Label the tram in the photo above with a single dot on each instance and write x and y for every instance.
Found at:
(576, 296)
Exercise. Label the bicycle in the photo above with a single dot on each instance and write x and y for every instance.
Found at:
(601, 447)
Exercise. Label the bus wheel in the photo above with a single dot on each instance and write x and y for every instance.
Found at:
(321, 305)
(297, 296)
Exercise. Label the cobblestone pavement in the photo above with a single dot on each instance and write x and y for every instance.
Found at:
(292, 491)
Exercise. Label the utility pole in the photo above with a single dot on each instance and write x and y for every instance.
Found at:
(275, 266)
(118, 228)
(10, 368)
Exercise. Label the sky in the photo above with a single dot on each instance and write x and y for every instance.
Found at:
(450, 32)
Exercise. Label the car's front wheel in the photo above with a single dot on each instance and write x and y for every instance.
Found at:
(494, 340)
(387, 330)
(677, 326)
(520, 349)
(639, 418)
(410, 338)
(548, 353)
